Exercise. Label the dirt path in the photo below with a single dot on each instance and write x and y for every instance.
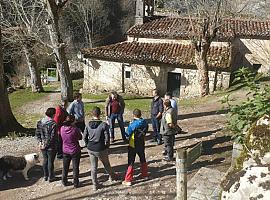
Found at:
(40, 106)
(203, 122)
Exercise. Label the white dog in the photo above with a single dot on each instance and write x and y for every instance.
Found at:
(23, 164)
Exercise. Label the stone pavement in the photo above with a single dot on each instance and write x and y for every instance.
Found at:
(205, 185)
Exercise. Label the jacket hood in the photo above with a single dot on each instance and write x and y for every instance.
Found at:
(94, 124)
(140, 122)
(46, 120)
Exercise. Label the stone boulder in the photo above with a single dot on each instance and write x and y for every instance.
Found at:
(252, 180)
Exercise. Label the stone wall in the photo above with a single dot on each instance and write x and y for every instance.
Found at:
(102, 76)
(107, 76)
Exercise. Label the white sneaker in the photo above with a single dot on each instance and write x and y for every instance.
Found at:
(126, 183)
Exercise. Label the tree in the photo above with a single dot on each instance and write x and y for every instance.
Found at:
(54, 8)
(7, 119)
(25, 21)
(204, 28)
(87, 18)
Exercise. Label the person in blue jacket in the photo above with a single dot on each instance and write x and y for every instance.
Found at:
(136, 133)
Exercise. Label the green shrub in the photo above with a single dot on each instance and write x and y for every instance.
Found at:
(256, 104)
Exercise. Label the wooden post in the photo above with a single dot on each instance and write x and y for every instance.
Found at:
(181, 174)
(123, 78)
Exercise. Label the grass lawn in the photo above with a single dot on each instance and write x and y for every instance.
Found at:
(23, 96)
(77, 84)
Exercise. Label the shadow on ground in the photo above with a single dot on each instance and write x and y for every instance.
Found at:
(17, 180)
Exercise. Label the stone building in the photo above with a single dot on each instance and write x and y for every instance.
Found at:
(158, 54)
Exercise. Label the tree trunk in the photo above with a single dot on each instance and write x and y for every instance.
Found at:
(202, 65)
(59, 50)
(36, 84)
(8, 122)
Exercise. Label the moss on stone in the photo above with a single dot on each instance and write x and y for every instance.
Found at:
(258, 139)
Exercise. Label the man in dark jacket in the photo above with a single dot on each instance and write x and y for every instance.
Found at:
(97, 139)
(114, 109)
(156, 114)
(46, 134)
(168, 123)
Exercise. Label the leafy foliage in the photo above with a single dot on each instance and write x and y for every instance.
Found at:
(257, 104)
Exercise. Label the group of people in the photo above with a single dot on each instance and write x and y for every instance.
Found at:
(59, 132)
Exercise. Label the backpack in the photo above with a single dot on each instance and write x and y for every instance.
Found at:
(137, 138)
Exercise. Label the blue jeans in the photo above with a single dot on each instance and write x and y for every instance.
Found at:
(48, 162)
(120, 121)
(156, 128)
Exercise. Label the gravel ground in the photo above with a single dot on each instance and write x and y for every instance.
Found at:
(18, 147)
(201, 121)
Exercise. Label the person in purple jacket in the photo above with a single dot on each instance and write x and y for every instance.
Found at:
(71, 149)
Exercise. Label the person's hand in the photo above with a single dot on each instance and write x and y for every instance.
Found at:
(41, 146)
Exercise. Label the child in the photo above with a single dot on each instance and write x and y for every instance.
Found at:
(136, 133)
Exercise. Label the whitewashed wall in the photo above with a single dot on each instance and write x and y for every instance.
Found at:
(107, 76)
(255, 52)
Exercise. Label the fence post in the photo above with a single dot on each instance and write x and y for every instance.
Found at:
(181, 174)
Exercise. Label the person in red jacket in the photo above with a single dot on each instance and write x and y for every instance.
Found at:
(59, 118)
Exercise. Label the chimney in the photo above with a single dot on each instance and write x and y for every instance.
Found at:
(140, 12)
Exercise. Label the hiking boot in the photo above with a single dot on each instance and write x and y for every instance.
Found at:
(113, 178)
(77, 185)
(64, 183)
(126, 183)
(152, 141)
(159, 142)
(96, 186)
(164, 153)
(52, 179)
(168, 159)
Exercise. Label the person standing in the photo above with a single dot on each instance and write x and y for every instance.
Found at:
(59, 117)
(168, 123)
(97, 139)
(168, 95)
(76, 108)
(156, 114)
(136, 133)
(114, 109)
(71, 149)
(46, 134)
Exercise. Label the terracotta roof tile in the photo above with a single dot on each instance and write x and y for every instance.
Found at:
(179, 28)
(158, 53)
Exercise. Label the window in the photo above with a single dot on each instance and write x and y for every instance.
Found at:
(127, 70)
(127, 74)
(256, 66)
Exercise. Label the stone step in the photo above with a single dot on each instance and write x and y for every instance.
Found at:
(205, 185)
